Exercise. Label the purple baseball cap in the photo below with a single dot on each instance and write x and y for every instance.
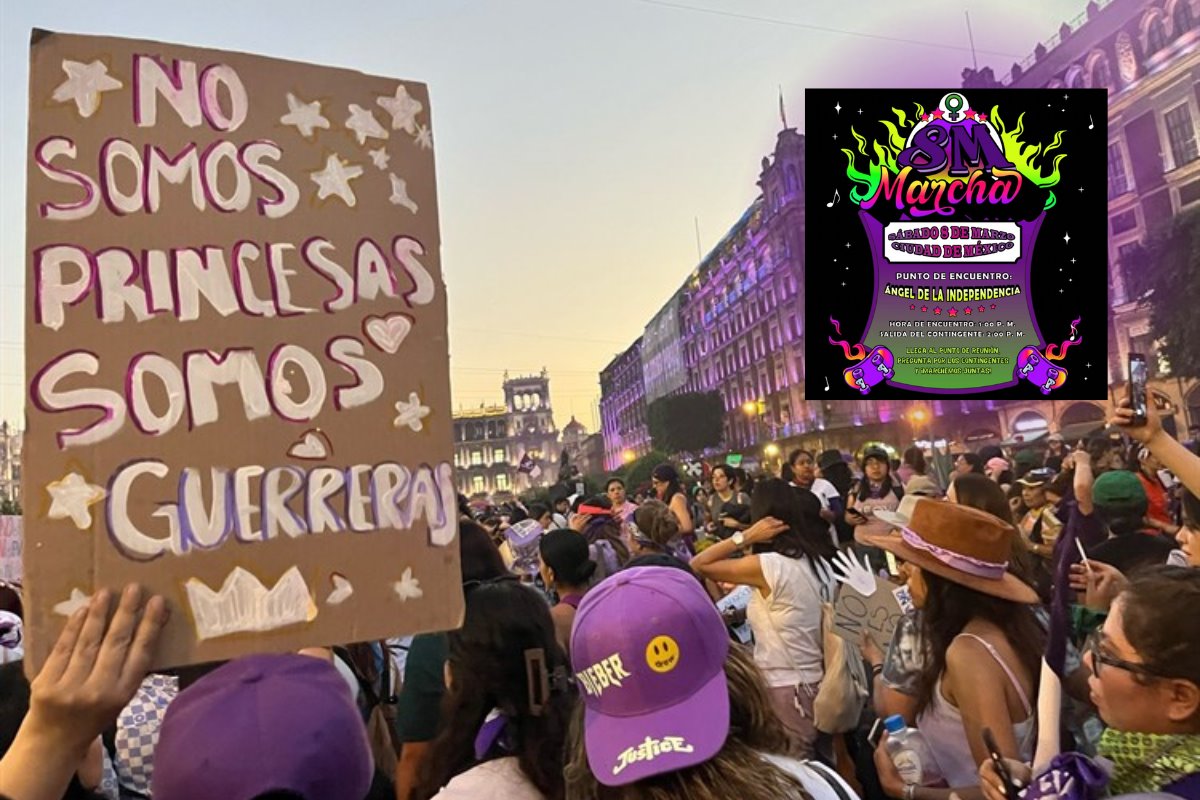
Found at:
(648, 648)
(264, 723)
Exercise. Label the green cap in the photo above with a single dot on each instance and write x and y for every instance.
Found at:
(1118, 488)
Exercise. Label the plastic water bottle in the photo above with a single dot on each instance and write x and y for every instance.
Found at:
(911, 754)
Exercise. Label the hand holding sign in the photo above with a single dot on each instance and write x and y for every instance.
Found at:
(877, 613)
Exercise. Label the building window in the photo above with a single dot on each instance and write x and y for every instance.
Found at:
(502, 482)
(1181, 135)
(477, 484)
(1156, 36)
(476, 458)
(498, 456)
(1118, 183)
(1101, 76)
(1183, 17)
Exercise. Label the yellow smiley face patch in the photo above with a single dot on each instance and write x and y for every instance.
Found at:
(662, 654)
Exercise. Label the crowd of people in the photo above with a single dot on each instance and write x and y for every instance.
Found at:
(679, 644)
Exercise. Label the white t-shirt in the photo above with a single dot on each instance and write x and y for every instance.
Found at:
(499, 779)
(815, 783)
(787, 623)
(825, 491)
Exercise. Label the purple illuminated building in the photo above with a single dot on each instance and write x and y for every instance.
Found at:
(623, 408)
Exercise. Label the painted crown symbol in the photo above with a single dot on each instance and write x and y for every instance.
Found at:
(244, 604)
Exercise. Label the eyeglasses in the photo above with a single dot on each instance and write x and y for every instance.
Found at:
(1092, 646)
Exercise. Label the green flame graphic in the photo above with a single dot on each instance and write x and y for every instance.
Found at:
(1028, 159)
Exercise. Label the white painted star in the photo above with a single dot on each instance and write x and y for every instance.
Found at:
(411, 413)
(379, 158)
(76, 601)
(838, 107)
(403, 109)
(72, 497)
(408, 587)
(364, 124)
(1067, 238)
(305, 116)
(335, 180)
(400, 193)
(424, 138)
(84, 84)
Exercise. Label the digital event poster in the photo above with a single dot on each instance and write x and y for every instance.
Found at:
(956, 243)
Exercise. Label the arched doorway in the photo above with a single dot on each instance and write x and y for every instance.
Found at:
(1029, 425)
(1081, 420)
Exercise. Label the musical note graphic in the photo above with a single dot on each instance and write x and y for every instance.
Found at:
(827, 383)
(836, 197)
(1091, 125)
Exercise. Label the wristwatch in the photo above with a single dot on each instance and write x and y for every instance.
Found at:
(738, 539)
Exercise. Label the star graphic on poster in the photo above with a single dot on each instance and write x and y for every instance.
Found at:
(912, 306)
(838, 107)
(1067, 238)
(937, 113)
(953, 312)
(993, 306)
(364, 124)
(379, 158)
(400, 193)
(335, 180)
(408, 587)
(72, 498)
(84, 84)
(76, 601)
(937, 311)
(969, 113)
(981, 118)
(403, 109)
(305, 116)
(924, 308)
(967, 310)
(981, 309)
(411, 413)
(424, 138)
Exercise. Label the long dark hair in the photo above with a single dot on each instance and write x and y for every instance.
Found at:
(950, 607)
(838, 472)
(670, 476)
(807, 533)
(915, 458)
(980, 491)
(886, 485)
(488, 668)
(481, 561)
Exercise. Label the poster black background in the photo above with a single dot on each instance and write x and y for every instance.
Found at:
(1082, 214)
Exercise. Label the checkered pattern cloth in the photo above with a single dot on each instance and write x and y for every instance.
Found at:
(137, 731)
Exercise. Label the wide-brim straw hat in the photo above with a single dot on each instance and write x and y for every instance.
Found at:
(956, 542)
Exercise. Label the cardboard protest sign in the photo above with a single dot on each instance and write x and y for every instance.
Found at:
(877, 613)
(236, 347)
(11, 542)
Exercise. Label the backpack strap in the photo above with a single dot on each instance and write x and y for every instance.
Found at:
(830, 778)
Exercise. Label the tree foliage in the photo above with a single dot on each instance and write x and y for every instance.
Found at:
(686, 423)
(1168, 268)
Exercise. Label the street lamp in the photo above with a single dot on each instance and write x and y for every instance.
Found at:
(629, 456)
(771, 450)
(755, 410)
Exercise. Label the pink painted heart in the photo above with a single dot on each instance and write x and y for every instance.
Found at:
(388, 333)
